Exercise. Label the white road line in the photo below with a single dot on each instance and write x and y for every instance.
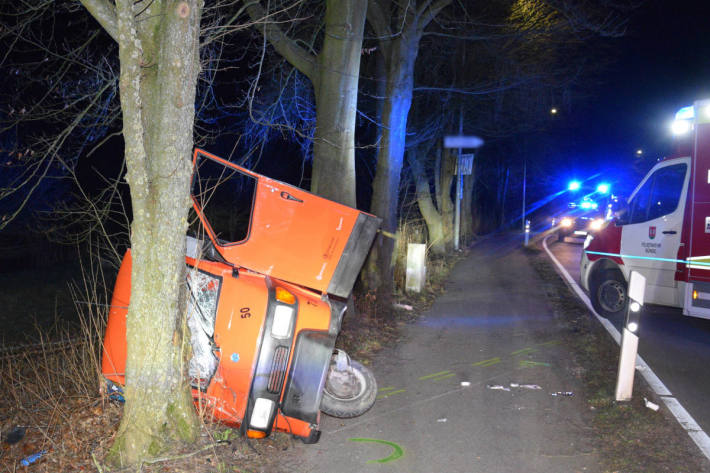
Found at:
(683, 417)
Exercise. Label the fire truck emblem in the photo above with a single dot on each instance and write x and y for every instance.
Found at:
(652, 232)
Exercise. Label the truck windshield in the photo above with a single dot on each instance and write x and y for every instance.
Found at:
(659, 195)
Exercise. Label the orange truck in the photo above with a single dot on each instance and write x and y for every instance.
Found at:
(269, 269)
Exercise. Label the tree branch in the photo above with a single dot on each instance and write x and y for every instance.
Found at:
(429, 12)
(105, 13)
(297, 56)
(380, 24)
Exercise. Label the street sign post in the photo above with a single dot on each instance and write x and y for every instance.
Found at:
(461, 141)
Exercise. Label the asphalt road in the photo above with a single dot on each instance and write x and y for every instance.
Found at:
(491, 328)
(676, 347)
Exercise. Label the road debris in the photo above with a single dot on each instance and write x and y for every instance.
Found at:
(651, 405)
(498, 387)
(465, 383)
(525, 386)
(14, 436)
(443, 419)
(27, 461)
(563, 394)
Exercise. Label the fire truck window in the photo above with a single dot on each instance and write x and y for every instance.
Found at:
(225, 196)
(666, 190)
(659, 195)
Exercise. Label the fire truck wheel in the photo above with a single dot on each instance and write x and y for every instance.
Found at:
(349, 392)
(609, 293)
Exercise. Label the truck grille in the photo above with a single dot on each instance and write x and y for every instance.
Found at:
(278, 370)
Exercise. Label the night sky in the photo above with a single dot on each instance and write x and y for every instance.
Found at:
(663, 64)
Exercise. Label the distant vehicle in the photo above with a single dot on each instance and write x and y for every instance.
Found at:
(267, 294)
(663, 232)
(580, 219)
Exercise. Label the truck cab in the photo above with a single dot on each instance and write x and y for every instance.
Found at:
(663, 232)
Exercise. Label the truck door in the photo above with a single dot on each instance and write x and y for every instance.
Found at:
(280, 230)
(651, 231)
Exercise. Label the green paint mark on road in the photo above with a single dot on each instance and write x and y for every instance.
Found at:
(530, 364)
(387, 394)
(523, 351)
(488, 362)
(388, 388)
(434, 375)
(446, 376)
(551, 342)
(397, 452)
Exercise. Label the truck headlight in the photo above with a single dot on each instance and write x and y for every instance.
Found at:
(261, 414)
(596, 224)
(283, 319)
(566, 222)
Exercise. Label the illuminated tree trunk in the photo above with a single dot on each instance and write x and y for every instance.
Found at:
(334, 73)
(399, 32)
(159, 57)
(432, 216)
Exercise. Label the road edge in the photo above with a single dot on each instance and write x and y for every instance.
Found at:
(686, 421)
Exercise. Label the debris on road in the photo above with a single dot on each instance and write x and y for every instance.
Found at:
(14, 436)
(563, 394)
(443, 419)
(651, 405)
(465, 383)
(497, 387)
(525, 386)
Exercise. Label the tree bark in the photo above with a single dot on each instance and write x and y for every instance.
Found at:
(159, 57)
(432, 216)
(334, 73)
(400, 52)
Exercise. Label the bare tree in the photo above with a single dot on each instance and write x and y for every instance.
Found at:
(158, 47)
(334, 73)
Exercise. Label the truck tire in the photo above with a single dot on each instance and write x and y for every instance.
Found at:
(349, 392)
(608, 293)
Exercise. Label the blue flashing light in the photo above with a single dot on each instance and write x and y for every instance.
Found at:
(574, 185)
(685, 113)
(603, 188)
(586, 205)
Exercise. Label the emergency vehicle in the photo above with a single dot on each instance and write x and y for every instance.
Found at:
(663, 232)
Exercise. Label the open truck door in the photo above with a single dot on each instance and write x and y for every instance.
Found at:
(290, 234)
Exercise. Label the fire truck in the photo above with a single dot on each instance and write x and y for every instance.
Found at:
(663, 232)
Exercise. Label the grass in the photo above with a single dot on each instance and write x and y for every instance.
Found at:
(630, 437)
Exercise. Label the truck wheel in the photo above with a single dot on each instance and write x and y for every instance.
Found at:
(349, 390)
(608, 293)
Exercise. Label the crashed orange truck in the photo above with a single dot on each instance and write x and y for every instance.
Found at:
(269, 269)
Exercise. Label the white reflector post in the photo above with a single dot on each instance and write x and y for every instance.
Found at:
(629, 338)
(416, 267)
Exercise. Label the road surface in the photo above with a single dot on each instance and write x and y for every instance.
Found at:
(676, 347)
(490, 329)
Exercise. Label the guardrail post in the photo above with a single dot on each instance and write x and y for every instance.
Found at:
(629, 338)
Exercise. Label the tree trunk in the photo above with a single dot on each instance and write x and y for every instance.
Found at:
(447, 173)
(432, 217)
(333, 174)
(334, 73)
(159, 57)
(390, 156)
